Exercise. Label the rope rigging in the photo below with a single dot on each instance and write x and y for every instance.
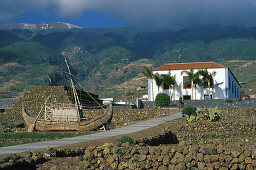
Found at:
(74, 90)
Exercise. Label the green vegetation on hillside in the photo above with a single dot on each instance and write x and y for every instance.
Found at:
(104, 58)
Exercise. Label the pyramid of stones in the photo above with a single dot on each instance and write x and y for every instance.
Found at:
(34, 99)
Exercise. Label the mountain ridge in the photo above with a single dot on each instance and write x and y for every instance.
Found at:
(39, 27)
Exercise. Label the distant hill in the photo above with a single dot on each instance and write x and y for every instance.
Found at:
(106, 60)
(7, 38)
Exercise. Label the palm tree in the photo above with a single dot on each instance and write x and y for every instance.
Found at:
(148, 72)
(197, 81)
(170, 81)
(158, 79)
(193, 79)
(207, 79)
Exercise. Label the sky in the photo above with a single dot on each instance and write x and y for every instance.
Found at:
(156, 14)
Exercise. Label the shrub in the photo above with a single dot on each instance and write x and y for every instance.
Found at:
(125, 139)
(189, 111)
(229, 101)
(8, 127)
(162, 99)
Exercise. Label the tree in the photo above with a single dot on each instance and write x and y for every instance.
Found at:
(193, 79)
(197, 81)
(170, 81)
(158, 79)
(207, 79)
(148, 72)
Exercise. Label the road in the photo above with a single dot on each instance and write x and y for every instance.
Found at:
(85, 138)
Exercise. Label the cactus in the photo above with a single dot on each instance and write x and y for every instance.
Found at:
(209, 114)
(192, 118)
(213, 114)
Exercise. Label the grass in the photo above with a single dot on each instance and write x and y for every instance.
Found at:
(36, 135)
(124, 139)
(4, 145)
(140, 119)
(214, 136)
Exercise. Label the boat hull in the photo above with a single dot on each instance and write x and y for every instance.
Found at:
(92, 124)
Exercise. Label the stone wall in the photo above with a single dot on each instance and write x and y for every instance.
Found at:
(236, 128)
(139, 156)
(221, 103)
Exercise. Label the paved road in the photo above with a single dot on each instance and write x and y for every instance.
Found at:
(85, 138)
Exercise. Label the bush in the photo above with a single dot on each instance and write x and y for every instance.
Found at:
(162, 99)
(125, 139)
(189, 111)
(229, 101)
(8, 127)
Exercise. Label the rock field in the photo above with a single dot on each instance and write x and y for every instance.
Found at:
(226, 144)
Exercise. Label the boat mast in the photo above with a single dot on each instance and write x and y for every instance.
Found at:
(77, 102)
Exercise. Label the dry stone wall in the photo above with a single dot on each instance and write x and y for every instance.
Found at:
(139, 156)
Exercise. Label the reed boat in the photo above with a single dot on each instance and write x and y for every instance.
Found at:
(66, 117)
(62, 125)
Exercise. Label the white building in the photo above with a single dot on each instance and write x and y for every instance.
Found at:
(226, 85)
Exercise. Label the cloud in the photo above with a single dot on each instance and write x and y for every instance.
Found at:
(10, 9)
(148, 13)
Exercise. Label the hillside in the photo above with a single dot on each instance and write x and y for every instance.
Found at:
(108, 61)
(26, 64)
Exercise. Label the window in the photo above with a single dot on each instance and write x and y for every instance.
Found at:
(186, 97)
(166, 86)
(229, 82)
(206, 97)
(232, 87)
(235, 90)
(186, 84)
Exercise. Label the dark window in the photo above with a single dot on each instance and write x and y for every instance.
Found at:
(206, 97)
(186, 84)
(232, 87)
(166, 86)
(229, 82)
(186, 97)
(235, 90)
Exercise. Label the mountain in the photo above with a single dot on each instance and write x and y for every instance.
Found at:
(8, 38)
(24, 64)
(108, 61)
(39, 27)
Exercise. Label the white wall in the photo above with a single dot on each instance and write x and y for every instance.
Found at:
(220, 91)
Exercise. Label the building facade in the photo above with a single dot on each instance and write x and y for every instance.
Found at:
(226, 85)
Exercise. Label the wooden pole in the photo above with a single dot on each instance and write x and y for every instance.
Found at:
(77, 102)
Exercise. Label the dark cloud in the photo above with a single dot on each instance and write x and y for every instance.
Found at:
(149, 13)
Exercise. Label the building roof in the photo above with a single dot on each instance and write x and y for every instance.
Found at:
(187, 66)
